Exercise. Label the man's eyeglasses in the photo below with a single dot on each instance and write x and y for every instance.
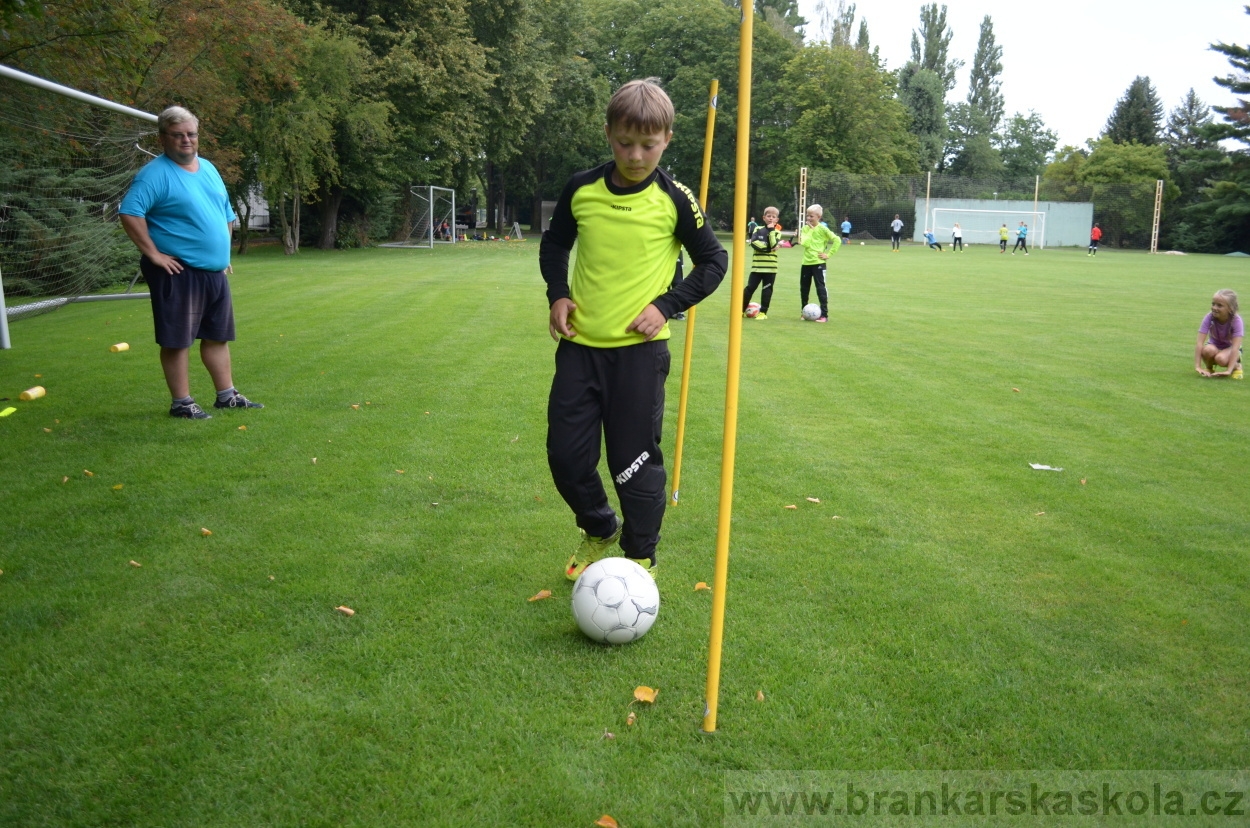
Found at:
(178, 136)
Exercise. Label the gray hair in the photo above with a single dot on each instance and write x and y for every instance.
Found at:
(174, 115)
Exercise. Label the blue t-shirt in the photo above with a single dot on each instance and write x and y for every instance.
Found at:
(1023, 231)
(929, 237)
(846, 228)
(188, 214)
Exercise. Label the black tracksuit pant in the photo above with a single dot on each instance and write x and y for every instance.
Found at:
(808, 274)
(617, 395)
(766, 295)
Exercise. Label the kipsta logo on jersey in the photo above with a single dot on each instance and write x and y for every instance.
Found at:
(622, 207)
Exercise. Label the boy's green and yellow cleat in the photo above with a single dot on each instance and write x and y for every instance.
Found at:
(590, 550)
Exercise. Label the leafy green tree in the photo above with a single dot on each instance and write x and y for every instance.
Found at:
(1026, 145)
(1137, 116)
(1122, 179)
(845, 116)
(930, 46)
(970, 152)
(1224, 213)
(85, 44)
(984, 87)
(1194, 157)
(922, 93)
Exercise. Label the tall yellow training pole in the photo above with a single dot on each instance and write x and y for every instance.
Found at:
(690, 315)
(720, 577)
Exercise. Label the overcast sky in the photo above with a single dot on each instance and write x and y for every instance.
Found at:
(1071, 60)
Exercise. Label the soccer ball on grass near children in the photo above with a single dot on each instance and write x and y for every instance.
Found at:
(615, 601)
(811, 312)
(753, 310)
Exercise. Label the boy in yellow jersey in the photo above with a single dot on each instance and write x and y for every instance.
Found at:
(629, 220)
(817, 241)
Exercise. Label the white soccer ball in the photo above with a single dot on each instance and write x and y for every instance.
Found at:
(811, 312)
(861, 244)
(753, 310)
(615, 601)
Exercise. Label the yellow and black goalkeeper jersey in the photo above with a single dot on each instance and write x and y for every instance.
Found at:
(764, 243)
(627, 243)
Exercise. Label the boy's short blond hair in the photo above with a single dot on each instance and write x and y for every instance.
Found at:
(642, 105)
(816, 208)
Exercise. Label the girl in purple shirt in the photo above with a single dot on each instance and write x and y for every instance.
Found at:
(1219, 338)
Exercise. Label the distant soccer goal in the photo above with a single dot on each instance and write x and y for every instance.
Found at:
(66, 160)
(434, 218)
(984, 226)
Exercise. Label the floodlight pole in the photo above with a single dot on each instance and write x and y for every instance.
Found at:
(690, 314)
(927, 182)
(1040, 244)
(1154, 225)
(720, 577)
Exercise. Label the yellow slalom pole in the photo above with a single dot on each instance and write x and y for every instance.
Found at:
(690, 314)
(720, 576)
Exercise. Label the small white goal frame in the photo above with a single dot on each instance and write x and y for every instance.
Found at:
(1035, 219)
(435, 206)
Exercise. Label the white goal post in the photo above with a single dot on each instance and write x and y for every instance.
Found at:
(982, 226)
(67, 160)
(435, 210)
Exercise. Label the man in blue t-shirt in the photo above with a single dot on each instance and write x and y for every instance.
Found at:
(178, 214)
(846, 229)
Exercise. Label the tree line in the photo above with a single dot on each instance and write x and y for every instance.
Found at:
(332, 108)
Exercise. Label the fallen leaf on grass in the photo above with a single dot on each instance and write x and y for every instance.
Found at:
(606, 821)
(1082, 481)
(271, 577)
(608, 735)
(65, 479)
(1017, 390)
(631, 718)
(242, 428)
(792, 506)
(348, 611)
(427, 412)
(540, 595)
(355, 407)
(88, 473)
(135, 563)
(38, 376)
(646, 694)
(702, 585)
(314, 461)
(399, 471)
(47, 431)
(837, 517)
(1038, 514)
(813, 500)
(368, 403)
(205, 532)
(759, 695)
(118, 487)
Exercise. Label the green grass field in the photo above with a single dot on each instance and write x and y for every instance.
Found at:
(943, 606)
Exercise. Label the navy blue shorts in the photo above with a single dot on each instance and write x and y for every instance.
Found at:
(194, 304)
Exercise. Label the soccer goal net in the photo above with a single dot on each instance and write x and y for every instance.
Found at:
(66, 160)
(985, 226)
(434, 218)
